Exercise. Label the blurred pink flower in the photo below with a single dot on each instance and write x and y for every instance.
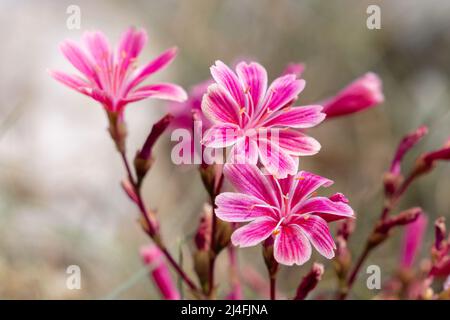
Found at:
(259, 122)
(296, 69)
(412, 240)
(111, 77)
(362, 93)
(283, 209)
(153, 258)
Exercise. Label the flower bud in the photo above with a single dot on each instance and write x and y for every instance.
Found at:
(412, 240)
(143, 160)
(203, 234)
(118, 130)
(269, 259)
(201, 267)
(296, 69)
(153, 258)
(361, 94)
(310, 281)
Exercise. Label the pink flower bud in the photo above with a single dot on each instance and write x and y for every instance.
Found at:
(203, 235)
(409, 141)
(153, 258)
(363, 93)
(310, 281)
(412, 240)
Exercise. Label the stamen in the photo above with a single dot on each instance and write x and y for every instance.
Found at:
(277, 230)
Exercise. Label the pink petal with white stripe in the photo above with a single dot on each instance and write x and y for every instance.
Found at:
(282, 91)
(291, 246)
(219, 107)
(245, 151)
(221, 136)
(325, 208)
(79, 60)
(254, 78)
(130, 45)
(317, 231)
(166, 91)
(253, 233)
(277, 161)
(239, 207)
(225, 77)
(249, 179)
(72, 81)
(306, 183)
(153, 66)
(298, 144)
(297, 117)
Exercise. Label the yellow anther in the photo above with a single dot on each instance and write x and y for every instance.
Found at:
(276, 232)
(300, 178)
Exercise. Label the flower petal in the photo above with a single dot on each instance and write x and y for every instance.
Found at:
(317, 231)
(254, 78)
(245, 151)
(282, 91)
(219, 107)
(254, 232)
(79, 60)
(130, 46)
(153, 66)
(297, 117)
(250, 180)
(325, 208)
(291, 246)
(166, 91)
(277, 161)
(72, 81)
(306, 183)
(298, 144)
(220, 136)
(239, 207)
(225, 77)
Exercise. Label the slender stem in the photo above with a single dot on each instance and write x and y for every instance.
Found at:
(343, 294)
(273, 282)
(152, 230)
(217, 186)
(387, 208)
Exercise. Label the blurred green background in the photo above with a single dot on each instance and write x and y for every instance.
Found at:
(60, 199)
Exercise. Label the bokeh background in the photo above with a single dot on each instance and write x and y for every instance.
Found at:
(60, 199)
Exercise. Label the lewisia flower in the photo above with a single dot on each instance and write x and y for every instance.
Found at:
(363, 93)
(284, 209)
(259, 122)
(111, 76)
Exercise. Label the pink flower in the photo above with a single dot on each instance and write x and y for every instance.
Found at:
(283, 209)
(412, 240)
(257, 121)
(153, 258)
(363, 93)
(111, 77)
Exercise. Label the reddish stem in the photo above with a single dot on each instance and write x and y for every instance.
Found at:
(152, 230)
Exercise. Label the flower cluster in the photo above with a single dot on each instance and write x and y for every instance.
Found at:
(273, 203)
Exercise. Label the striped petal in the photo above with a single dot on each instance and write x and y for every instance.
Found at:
(239, 207)
(277, 161)
(220, 136)
(226, 78)
(325, 208)
(317, 231)
(282, 91)
(291, 246)
(254, 232)
(254, 78)
(297, 117)
(219, 107)
(250, 180)
(296, 143)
